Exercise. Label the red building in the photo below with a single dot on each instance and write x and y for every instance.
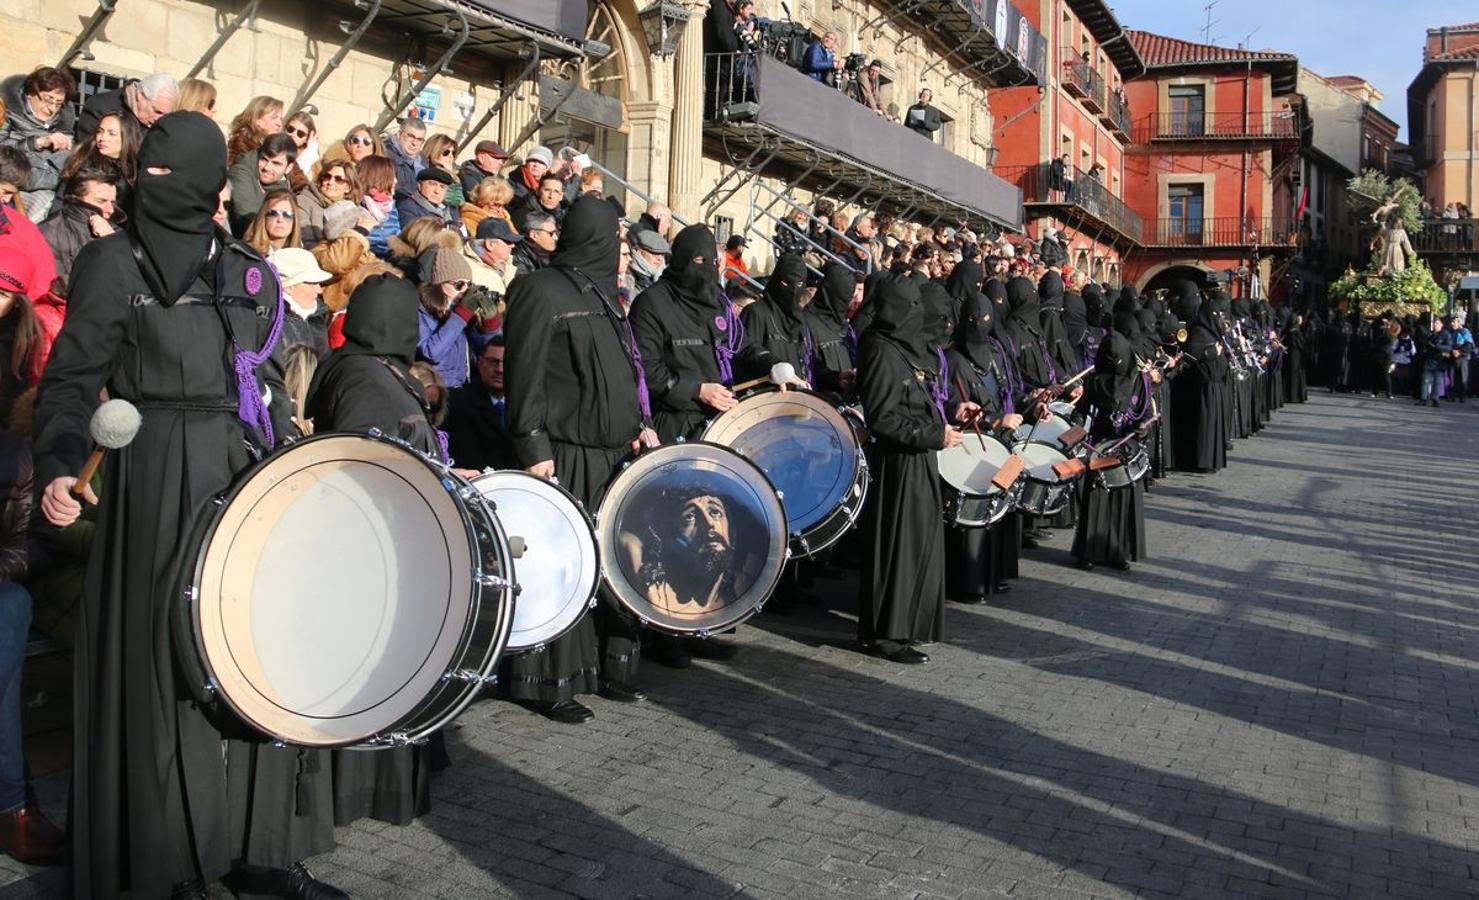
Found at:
(1210, 173)
(1079, 112)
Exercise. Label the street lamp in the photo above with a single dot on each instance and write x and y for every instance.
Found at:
(663, 24)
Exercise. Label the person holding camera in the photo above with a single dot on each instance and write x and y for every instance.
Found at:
(821, 62)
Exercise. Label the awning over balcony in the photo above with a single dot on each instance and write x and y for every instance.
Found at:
(498, 28)
(992, 37)
(804, 123)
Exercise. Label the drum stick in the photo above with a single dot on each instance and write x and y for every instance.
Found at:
(114, 426)
(748, 385)
(976, 422)
(1070, 382)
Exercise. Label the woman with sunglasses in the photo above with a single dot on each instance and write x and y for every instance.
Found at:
(305, 137)
(358, 145)
(451, 319)
(262, 117)
(38, 122)
(336, 181)
(441, 153)
(276, 225)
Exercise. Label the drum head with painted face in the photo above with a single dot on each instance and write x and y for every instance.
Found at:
(693, 538)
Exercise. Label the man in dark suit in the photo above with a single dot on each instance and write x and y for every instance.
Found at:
(477, 420)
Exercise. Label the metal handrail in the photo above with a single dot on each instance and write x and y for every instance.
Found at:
(1088, 194)
(1233, 124)
(1221, 231)
(84, 37)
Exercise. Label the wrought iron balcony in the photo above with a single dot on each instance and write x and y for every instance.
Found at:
(1076, 195)
(1219, 126)
(1117, 116)
(1080, 80)
(1222, 231)
(1447, 236)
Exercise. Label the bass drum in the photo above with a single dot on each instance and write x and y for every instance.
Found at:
(812, 454)
(973, 500)
(349, 591)
(693, 538)
(558, 565)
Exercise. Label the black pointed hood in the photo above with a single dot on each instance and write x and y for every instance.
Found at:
(783, 287)
(173, 215)
(834, 294)
(589, 243)
(695, 283)
(899, 319)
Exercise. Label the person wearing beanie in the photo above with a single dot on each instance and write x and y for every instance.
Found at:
(454, 320)
(429, 199)
(526, 179)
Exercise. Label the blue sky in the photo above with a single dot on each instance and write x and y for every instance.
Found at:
(1381, 42)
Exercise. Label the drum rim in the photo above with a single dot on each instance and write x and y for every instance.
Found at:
(800, 541)
(476, 597)
(957, 451)
(585, 518)
(622, 592)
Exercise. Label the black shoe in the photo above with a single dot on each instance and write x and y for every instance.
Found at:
(303, 886)
(1003, 587)
(712, 648)
(1433, 403)
(1029, 543)
(1121, 565)
(1086, 565)
(907, 657)
(970, 599)
(567, 712)
(1421, 402)
(620, 693)
(669, 652)
(189, 890)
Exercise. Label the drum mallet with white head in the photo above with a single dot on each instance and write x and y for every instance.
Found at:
(113, 427)
(782, 374)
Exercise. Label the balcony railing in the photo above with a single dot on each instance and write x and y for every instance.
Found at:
(1117, 115)
(1086, 195)
(1226, 231)
(1083, 82)
(1262, 125)
(1437, 236)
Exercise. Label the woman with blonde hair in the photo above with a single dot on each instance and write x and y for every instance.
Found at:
(423, 234)
(297, 373)
(441, 153)
(490, 198)
(276, 224)
(197, 96)
(262, 117)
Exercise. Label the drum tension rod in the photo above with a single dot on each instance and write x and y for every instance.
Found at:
(468, 676)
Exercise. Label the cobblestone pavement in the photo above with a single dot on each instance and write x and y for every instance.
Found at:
(1282, 702)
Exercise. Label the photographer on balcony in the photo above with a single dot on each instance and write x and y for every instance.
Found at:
(821, 62)
(870, 89)
(922, 118)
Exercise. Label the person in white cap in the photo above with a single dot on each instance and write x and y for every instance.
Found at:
(526, 179)
(302, 292)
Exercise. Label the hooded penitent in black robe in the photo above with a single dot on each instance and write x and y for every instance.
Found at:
(977, 560)
(1167, 325)
(1025, 336)
(775, 325)
(162, 793)
(1244, 332)
(367, 384)
(1336, 354)
(1111, 523)
(1292, 333)
(689, 335)
(1200, 395)
(1147, 349)
(1054, 330)
(901, 590)
(1076, 322)
(573, 397)
(834, 362)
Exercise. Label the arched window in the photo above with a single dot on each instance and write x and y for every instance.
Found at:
(596, 122)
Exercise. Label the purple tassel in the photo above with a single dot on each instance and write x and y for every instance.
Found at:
(250, 407)
(443, 446)
(729, 346)
(939, 386)
(808, 353)
(644, 401)
(1008, 390)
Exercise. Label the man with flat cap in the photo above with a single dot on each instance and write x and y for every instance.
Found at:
(487, 161)
(649, 258)
(429, 199)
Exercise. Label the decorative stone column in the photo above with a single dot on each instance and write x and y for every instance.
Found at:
(685, 182)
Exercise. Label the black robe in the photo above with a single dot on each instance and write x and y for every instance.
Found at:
(1111, 523)
(154, 802)
(573, 397)
(834, 344)
(978, 559)
(1295, 363)
(902, 585)
(367, 384)
(1200, 394)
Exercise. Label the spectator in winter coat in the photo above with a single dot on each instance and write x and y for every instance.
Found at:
(488, 200)
(452, 317)
(39, 123)
(307, 318)
(549, 199)
(649, 258)
(487, 162)
(430, 199)
(821, 61)
(336, 182)
(404, 149)
(377, 177)
(257, 174)
(541, 233)
(525, 179)
(88, 210)
(144, 101)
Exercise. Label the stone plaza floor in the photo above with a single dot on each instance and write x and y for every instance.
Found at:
(1283, 701)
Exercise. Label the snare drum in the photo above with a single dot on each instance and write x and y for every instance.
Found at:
(558, 564)
(1050, 430)
(693, 538)
(1045, 492)
(1134, 462)
(810, 451)
(348, 591)
(973, 500)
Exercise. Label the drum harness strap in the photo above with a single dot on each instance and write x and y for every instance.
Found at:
(442, 443)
